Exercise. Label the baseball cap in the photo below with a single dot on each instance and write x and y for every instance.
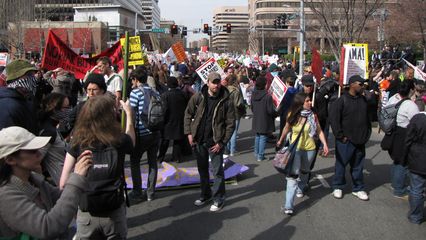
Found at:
(18, 68)
(214, 76)
(308, 80)
(13, 139)
(356, 78)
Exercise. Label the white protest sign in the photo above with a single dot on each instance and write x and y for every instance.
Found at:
(356, 61)
(277, 90)
(4, 59)
(209, 66)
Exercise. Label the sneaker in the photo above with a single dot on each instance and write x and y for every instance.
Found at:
(300, 194)
(403, 197)
(150, 198)
(288, 211)
(259, 160)
(135, 197)
(201, 201)
(225, 156)
(216, 206)
(338, 193)
(361, 195)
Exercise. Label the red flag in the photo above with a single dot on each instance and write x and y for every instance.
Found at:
(316, 65)
(58, 54)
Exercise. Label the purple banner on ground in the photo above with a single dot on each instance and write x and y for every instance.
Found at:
(171, 176)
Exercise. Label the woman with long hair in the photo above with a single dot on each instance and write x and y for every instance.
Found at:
(301, 120)
(29, 205)
(98, 133)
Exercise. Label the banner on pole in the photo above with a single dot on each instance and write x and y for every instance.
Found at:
(277, 90)
(355, 61)
(135, 50)
(58, 54)
(209, 66)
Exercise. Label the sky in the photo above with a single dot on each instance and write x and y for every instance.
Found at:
(194, 13)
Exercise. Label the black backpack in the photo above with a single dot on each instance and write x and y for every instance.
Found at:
(387, 116)
(153, 115)
(106, 182)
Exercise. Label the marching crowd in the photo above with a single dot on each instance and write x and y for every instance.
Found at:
(62, 148)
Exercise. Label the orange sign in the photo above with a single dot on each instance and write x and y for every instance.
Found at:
(179, 51)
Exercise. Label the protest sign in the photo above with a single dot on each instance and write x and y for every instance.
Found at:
(59, 55)
(135, 50)
(355, 61)
(4, 59)
(418, 73)
(277, 90)
(209, 66)
(179, 51)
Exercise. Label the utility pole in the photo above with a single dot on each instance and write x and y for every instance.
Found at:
(302, 38)
(263, 42)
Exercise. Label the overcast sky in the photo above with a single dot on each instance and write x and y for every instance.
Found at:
(193, 13)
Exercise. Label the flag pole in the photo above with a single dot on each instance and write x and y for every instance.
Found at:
(126, 64)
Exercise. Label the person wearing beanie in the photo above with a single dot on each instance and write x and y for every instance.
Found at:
(263, 117)
(174, 102)
(17, 98)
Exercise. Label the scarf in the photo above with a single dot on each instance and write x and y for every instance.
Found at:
(29, 83)
(62, 116)
(310, 117)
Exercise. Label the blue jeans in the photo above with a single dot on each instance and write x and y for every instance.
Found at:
(300, 175)
(399, 176)
(259, 146)
(416, 199)
(354, 155)
(233, 142)
(217, 191)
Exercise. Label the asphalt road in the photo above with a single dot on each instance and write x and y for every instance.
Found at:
(252, 207)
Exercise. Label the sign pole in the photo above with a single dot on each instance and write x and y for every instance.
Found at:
(126, 64)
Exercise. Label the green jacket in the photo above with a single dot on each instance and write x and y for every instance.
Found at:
(237, 99)
(223, 116)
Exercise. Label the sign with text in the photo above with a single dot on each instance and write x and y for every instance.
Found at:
(356, 61)
(4, 59)
(179, 51)
(277, 90)
(58, 54)
(158, 30)
(135, 50)
(209, 66)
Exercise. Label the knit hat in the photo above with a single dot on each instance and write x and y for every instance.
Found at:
(97, 79)
(18, 68)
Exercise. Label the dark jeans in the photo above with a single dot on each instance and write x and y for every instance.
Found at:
(416, 199)
(202, 154)
(176, 152)
(148, 143)
(354, 155)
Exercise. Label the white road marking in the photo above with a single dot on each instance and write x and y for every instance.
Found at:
(322, 180)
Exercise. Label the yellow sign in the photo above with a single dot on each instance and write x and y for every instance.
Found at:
(135, 50)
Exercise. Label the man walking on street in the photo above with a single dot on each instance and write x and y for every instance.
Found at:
(209, 124)
(352, 129)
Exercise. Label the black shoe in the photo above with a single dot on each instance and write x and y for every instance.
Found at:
(135, 197)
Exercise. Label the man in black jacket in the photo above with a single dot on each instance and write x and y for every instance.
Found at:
(352, 129)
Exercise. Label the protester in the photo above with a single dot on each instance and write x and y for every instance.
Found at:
(30, 206)
(415, 143)
(407, 109)
(352, 129)
(174, 101)
(18, 108)
(97, 135)
(209, 123)
(288, 77)
(54, 113)
(236, 97)
(301, 118)
(146, 139)
(63, 82)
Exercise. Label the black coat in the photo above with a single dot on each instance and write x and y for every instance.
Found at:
(263, 112)
(415, 142)
(174, 102)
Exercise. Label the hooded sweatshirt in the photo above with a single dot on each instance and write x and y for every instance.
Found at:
(263, 112)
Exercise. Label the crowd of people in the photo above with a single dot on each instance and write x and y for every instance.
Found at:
(62, 148)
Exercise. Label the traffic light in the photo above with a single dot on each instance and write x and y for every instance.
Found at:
(184, 31)
(209, 31)
(206, 28)
(174, 29)
(228, 28)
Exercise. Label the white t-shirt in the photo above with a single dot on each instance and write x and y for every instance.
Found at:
(406, 111)
(114, 83)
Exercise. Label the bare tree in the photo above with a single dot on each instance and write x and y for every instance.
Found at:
(341, 21)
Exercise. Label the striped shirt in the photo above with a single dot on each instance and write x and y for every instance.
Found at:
(138, 101)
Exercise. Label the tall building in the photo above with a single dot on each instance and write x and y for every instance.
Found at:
(237, 39)
(151, 11)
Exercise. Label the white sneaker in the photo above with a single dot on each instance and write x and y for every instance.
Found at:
(300, 194)
(338, 193)
(361, 195)
(225, 156)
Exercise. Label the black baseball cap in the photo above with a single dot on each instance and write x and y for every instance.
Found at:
(356, 78)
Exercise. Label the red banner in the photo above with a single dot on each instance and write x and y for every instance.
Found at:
(58, 54)
(316, 65)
